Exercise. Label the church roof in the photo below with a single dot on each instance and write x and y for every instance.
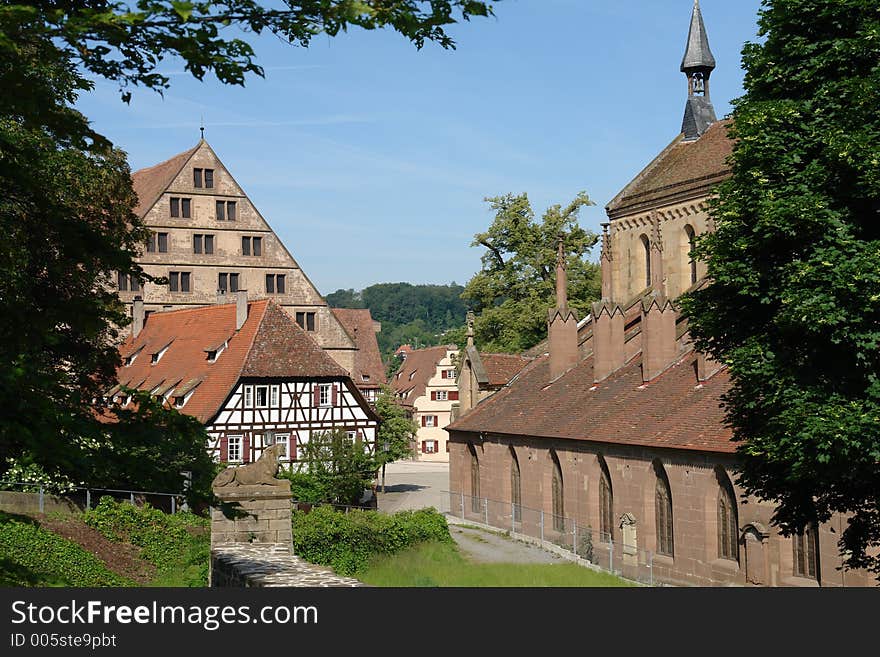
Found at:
(697, 54)
(501, 368)
(149, 183)
(672, 411)
(269, 344)
(368, 361)
(683, 169)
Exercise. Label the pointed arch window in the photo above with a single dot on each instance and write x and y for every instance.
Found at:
(728, 525)
(806, 552)
(691, 236)
(515, 487)
(557, 492)
(663, 512)
(475, 480)
(606, 503)
(646, 246)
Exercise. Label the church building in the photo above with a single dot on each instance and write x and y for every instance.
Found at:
(612, 440)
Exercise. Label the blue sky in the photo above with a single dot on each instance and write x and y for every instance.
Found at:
(371, 159)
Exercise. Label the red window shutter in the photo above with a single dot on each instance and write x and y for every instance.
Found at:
(246, 449)
(335, 395)
(436, 423)
(317, 395)
(453, 395)
(224, 449)
(433, 395)
(423, 446)
(423, 421)
(292, 452)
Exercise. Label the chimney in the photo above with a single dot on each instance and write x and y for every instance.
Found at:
(137, 316)
(659, 348)
(241, 309)
(609, 353)
(561, 323)
(706, 366)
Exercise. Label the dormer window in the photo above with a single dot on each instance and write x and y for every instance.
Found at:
(213, 353)
(156, 356)
(365, 377)
(411, 375)
(183, 393)
(132, 357)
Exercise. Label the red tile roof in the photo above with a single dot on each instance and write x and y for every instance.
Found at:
(151, 182)
(671, 411)
(269, 344)
(682, 168)
(368, 360)
(418, 368)
(501, 368)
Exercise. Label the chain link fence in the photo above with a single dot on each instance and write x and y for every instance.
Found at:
(604, 551)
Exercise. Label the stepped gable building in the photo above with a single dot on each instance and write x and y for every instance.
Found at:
(209, 239)
(622, 439)
(426, 385)
(369, 372)
(248, 372)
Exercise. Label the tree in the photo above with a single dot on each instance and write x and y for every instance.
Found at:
(516, 285)
(396, 431)
(338, 468)
(793, 307)
(66, 208)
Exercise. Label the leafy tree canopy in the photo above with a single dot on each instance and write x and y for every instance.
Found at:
(794, 308)
(516, 285)
(396, 430)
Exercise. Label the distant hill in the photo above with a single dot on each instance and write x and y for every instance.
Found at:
(419, 315)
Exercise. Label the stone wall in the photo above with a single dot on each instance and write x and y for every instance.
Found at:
(267, 565)
(258, 514)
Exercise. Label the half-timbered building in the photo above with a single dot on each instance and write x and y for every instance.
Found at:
(248, 372)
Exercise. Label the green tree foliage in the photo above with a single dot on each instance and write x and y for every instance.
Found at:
(335, 468)
(67, 197)
(396, 429)
(515, 288)
(410, 314)
(794, 308)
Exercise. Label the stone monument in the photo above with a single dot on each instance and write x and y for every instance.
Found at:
(255, 504)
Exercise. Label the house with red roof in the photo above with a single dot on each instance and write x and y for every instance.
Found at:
(612, 439)
(369, 372)
(248, 372)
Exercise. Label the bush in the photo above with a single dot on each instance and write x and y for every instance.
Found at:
(347, 541)
(178, 544)
(31, 556)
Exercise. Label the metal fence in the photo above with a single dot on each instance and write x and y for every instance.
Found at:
(604, 551)
(85, 498)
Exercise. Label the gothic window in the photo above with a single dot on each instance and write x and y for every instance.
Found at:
(806, 552)
(606, 504)
(691, 235)
(475, 480)
(515, 487)
(728, 526)
(663, 512)
(558, 500)
(646, 246)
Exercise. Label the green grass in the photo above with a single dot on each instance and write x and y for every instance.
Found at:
(441, 564)
(32, 556)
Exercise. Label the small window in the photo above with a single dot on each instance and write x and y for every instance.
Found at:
(155, 358)
(179, 281)
(442, 395)
(283, 439)
(306, 320)
(175, 207)
(162, 241)
(122, 282)
(248, 396)
(209, 178)
(181, 207)
(209, 244)
(197, 178)
(233, 282)
(245, 246)
(273, 396)
(806, 550)
(429, 420)
(134, 283)
(324, 394)
(275, 283)
(258, 246)
(198, 243)
(252, 246)
(262, 396)
(233, 449)
(230, 210)
(221, 210)
(227, 282)
(151, 243)
(365, 377)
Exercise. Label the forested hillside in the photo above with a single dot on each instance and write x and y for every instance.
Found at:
(419, 315)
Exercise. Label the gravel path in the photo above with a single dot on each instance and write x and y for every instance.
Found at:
(481, 546)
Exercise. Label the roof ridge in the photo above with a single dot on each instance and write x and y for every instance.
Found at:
(168, 161)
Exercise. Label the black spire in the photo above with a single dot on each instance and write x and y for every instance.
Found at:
(697, 64)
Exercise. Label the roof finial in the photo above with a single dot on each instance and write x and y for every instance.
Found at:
(697, 64)
(470, 328)
(561, 275)
(202, 128)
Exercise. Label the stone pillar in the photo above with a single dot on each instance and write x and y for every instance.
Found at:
(261, 514)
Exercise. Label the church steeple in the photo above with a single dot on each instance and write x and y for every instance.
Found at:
(697, 64)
